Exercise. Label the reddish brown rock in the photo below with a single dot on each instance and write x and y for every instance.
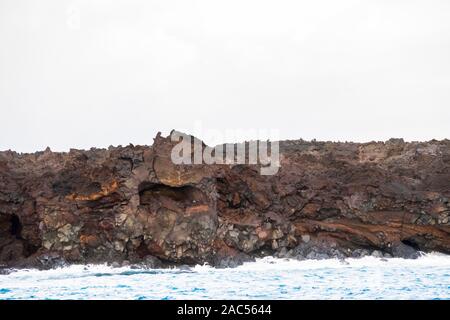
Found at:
(132, 203)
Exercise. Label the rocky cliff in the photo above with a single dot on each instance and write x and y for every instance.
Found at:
(133, 205)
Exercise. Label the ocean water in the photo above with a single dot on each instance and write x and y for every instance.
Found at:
(368, 278)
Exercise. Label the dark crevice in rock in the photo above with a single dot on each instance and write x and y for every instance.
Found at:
(130, 161)
(142, 250)
(411, 243)
(16, 226)
(29, 249)
(12, 245)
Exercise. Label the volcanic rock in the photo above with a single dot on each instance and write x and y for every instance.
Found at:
(133, 204)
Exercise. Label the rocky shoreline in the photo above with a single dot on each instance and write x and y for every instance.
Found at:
(132, 206)
(54, 261)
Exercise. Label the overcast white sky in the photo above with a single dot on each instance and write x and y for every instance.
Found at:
(99, 73)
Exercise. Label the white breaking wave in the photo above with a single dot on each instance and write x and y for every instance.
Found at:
(267, 263)
(427, 277)
(263, 264)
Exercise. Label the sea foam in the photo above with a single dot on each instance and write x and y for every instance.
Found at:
(427, 277)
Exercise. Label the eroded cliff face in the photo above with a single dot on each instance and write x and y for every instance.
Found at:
(133, 205)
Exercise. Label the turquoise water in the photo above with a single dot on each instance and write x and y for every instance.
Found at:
(368, 278)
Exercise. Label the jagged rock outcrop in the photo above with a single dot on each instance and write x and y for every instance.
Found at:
(133, 205)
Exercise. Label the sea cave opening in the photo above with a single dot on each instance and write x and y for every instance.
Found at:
(150, 193)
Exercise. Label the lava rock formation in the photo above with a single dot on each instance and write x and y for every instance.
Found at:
(132, 205)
